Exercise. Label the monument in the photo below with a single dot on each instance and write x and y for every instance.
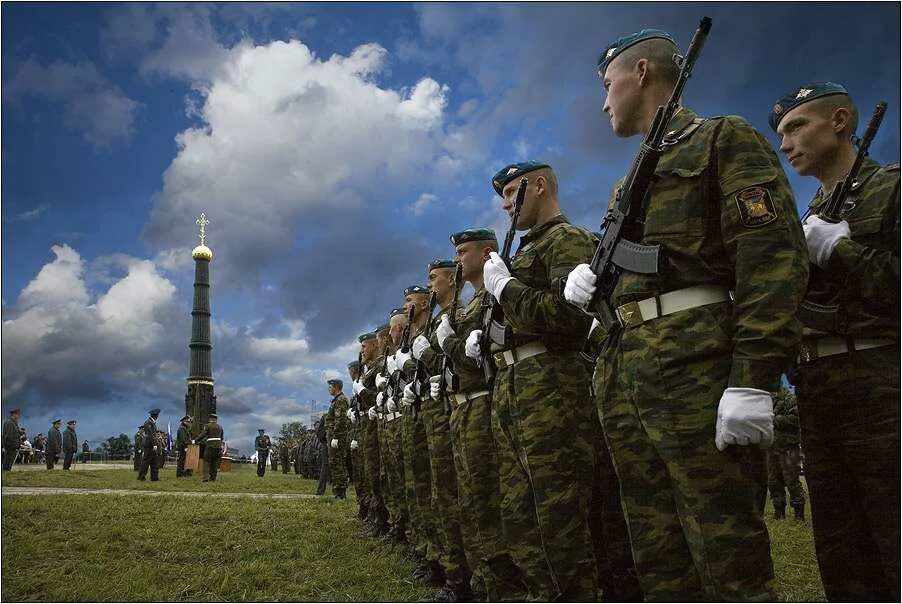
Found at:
(200, 401)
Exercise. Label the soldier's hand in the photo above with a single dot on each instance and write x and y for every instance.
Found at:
(745, 416)
(334, 443)
(350, 415)
(419, 346)
(580, 286)
(353, 445)
(443, 332)
(435, 386)
(822, 237)
(472, 346)
(495, 275)
(390, 406)
(391, 365)
(358, 387)
(409, 395)
(401, 358)
(371, 412)
(380, 397)
(381, 381)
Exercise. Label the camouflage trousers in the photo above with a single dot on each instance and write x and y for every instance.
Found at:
(372, 471)
(849, 416)
(418, 485)
(543, 424)
(479, 496)
(338, 467)
(443, 479)
(357, 470)
(392, 451)
(695, 514)
(783, 475)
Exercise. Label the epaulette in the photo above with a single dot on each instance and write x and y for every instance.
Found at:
(892, 167)
(674, 137)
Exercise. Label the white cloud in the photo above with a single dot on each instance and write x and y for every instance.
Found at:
(28, 214)
(422, 203)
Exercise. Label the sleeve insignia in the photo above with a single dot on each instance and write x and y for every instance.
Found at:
(755, 207)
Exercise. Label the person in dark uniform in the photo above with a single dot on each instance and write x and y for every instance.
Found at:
(323, 455)
(262, 444)
(284, 454)
(211, 436)
(149, 448)
(182, 440)
(11, 439)
(54, 443)
(70, 444)
(139, 439)
(85, 452)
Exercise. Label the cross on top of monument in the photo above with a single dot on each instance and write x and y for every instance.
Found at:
(202, 222)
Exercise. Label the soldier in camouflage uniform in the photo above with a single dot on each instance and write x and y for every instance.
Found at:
(700, 344)
(444, 497)
(847, 380)
(337, 437)
(365, 386)
(783, 458)
(355, 435)
(542, 419)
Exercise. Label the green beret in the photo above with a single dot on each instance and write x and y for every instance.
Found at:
(396, 311)
(366, 336)
(800, 96)
(473, 235)
(513, 171)
(415, 289)
(611, 51)
(440, 264)
(353, 364)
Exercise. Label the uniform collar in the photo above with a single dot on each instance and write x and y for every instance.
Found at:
(868, 168)
(680, 120)
(538, 230)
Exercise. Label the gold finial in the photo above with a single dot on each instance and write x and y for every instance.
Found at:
(202, 222)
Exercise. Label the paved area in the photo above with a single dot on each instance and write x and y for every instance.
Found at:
(74, 491)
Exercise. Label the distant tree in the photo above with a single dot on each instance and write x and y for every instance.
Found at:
(291, 433)
(117, 446)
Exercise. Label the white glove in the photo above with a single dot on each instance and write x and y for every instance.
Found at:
(745, 416)
(409, 395)
(334, 443)
(353, 445)
(496, 275)
(822, 237)
(380, 397)
(358, 387)
(435, 386)
(391, 406)
(392, 366)
(350, 414)
(580, 286)
(401, 358)
(381, 381)
(420, 345)
(371, 412)
(472, 345)
(443, 332)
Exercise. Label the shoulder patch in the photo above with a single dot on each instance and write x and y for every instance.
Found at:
(756, 208)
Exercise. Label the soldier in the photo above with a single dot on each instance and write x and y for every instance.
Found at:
(337, 436)
(139, 440)
(699, 344)
(211, 437)
(783, 458)
(161, 449)
(284, 454)
(182, 440)
(356, 435)
(366, 392)
(847, 380)
(11, 442)
(39, 443)
(149, 448)
(70, 444)
(273, 457)
(262, 444)
(541, 400)
(85, 452)
(54, 443)
(323, 455)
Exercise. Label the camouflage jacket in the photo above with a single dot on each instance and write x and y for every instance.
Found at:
(533, 303)
(337, 420)
(467, 319)
(432, 356)
(70, 441)
(182, 437)
(786, 421)
(211, 436)
(862, 275)
(722, 211)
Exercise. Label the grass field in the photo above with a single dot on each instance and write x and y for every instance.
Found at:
(109, 547)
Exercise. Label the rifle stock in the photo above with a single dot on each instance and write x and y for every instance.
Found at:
(446, 361)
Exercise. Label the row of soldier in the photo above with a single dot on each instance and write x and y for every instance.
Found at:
(628, 455)
(17, 448)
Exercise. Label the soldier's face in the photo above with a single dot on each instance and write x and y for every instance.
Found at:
(396, 328)
(808, 138)
(472, 256)
(367, 349)
(621, 100)
(439, 281)
(334, 390)
(419, 302)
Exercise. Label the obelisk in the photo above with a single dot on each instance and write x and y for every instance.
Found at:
(200, 401)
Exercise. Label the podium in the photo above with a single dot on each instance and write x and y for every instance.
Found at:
(192, 458)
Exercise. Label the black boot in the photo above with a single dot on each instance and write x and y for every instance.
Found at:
(799, 510)
(779, 513)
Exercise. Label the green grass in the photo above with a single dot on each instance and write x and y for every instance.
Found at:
(242, 478)
(116, 548)
(792, 549)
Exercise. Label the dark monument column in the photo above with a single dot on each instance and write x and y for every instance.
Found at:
(200, 401)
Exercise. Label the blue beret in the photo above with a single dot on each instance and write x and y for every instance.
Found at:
(512, 171)
(335, 382)
(396, 311)
(800, 96)
(440, 264)
(473, 235)
(154, 412)
(366, 336)
(415, 289)
(353, 364)
(623, 42)
(260, 430)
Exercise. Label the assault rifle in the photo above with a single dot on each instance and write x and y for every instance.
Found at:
(419, 375)
(615, 252)
(447, 373)
(355, 400)
(826, 317)
(493, 327)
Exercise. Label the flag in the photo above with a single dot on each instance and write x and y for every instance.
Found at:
(168, 436)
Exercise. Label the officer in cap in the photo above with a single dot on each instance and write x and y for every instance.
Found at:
(262, 445)
(54, 443)
(11, 441)
(149, 448)
(182, 440)
(211, 437)
(70, 444)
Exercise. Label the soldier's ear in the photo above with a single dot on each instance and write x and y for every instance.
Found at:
(841, 120)
(642, 71)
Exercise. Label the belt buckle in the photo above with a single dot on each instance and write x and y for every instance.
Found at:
(629, 314)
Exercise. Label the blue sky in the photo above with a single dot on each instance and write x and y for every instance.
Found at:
(333, 147)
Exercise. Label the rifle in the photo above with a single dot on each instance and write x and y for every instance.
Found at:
(826, 317)
(405, 347)
(419, 374)
(615, 253)
(355, 400)
(447, 374)
(493, 327)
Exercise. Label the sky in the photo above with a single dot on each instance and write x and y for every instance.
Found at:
(333, 147)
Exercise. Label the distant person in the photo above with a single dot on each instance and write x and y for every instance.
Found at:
(39, 443)
(85, 452)
(161, 449)
(149, 448)
(70, 444)
(54, 443)
(182, 440)
(11, 442)
(139, 443)
(323, 451)
(211, 436)
(262, 444)
(284, 454)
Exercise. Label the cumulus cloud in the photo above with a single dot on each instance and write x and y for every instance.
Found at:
(91, 104)
(422, 203)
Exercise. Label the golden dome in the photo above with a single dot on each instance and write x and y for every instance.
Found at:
(202, 252)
